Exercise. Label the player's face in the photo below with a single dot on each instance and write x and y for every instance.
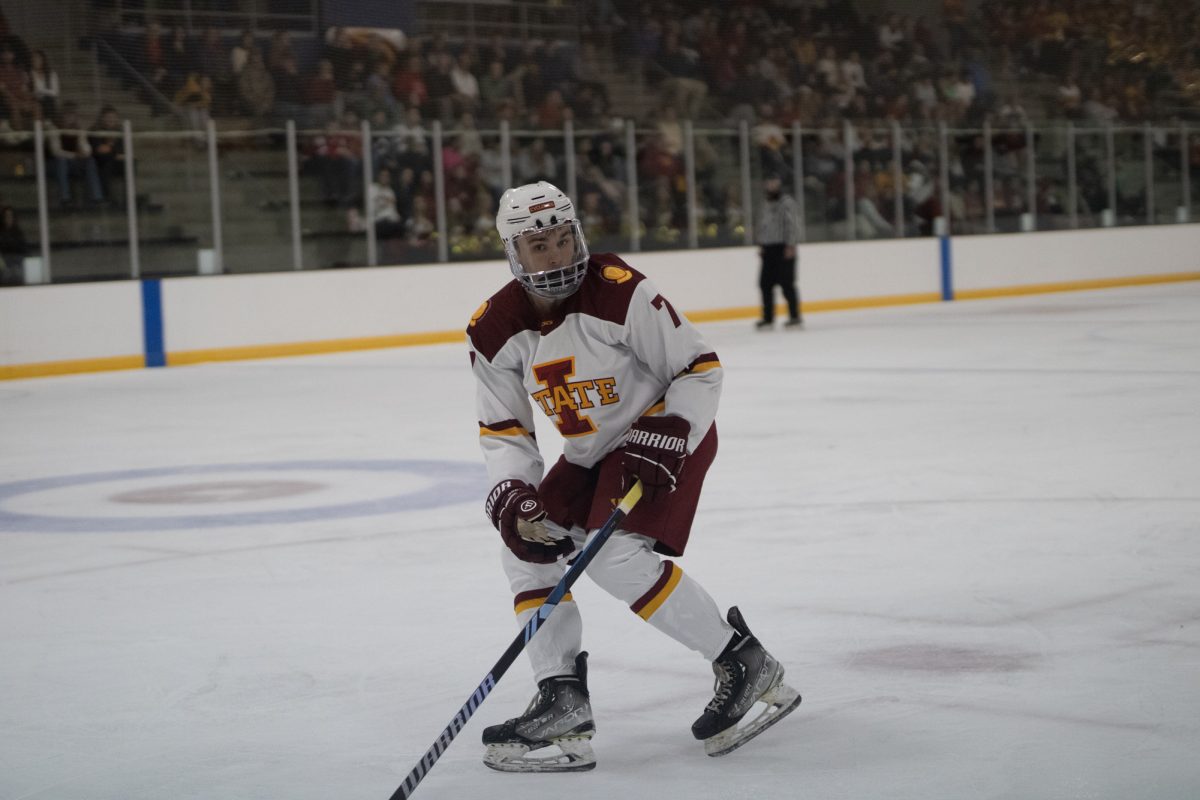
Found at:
(553, 248)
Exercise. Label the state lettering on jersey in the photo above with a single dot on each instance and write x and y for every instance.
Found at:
(563, 399)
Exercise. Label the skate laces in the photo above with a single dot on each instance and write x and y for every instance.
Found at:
(722, 687)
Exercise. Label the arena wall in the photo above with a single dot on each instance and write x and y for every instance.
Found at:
(48, 330)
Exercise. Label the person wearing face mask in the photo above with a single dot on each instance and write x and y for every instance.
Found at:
(632, 387)
(777, 231)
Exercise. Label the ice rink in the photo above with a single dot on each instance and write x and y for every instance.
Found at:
(971, 532)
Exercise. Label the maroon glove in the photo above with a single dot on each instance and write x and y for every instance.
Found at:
(654, 452)
(515, 510)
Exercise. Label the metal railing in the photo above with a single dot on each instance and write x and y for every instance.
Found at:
(196, 19)
(292, 197)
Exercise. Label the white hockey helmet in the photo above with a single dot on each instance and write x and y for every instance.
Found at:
(543, 239)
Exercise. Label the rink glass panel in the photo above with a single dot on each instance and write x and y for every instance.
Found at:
(720, 217)
(333, 232)
(602, 188)
(1011, 180)
(1129, 161)
(661, 191)
(175, 213)
(1052, 177)
(1167, 173)
(1091, 177)
(823, 193)
(256, 219)
(88, 241)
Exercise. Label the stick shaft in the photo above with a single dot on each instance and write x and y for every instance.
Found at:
(425, 764)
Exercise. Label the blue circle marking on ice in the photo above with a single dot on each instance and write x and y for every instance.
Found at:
(452, 482)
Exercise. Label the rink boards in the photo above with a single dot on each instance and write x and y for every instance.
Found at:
(50, 330)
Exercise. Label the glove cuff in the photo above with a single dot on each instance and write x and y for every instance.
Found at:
(498, 497)
(668, 434)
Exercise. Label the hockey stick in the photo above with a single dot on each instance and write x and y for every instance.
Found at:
(489, 682)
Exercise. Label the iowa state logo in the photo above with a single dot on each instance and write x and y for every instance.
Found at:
(616, 274)
(479, 312)
(563, 399)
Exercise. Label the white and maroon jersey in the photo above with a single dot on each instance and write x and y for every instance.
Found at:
(612, 352)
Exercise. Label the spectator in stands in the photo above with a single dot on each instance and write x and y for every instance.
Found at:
(179, 61)
(441, 86)
(342, 51)
(337, 155)
(239, 56)
(154, 59)
(1097, 109)
(466, 87)
(871, 223)
(211, 60)
(108, 148)
(321, 96)
(531, 85)
(891, 33)
(289, 94)
(409, 85)
(682, 85)
(552, 112)
(829, 71)
(769, 138)
(853, 75)
(382, 202)
(279, 52)
(495, 87)
(255, 86)
(72, 156)
(194, 98)
(535, 163)
(353, 88)
(412, 142)
(45, 84)
(13, 248)
(468, 141)
(379, 88)
(18, 100)
(420, 227)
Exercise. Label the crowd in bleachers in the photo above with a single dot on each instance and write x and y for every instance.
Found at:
(770, 63)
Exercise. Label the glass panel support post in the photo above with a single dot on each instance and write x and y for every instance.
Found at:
(294, 195)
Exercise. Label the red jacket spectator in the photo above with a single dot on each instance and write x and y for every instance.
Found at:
(409, 84)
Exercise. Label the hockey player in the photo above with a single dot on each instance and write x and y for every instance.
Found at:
(633, 389)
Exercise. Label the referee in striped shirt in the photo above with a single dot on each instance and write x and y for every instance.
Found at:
(777, 233)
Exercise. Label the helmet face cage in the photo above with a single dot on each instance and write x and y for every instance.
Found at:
(536, 247)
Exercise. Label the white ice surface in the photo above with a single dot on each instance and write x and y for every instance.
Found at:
(970, 531)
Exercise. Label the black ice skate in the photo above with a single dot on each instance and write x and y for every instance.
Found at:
(558, 720)
(746, 675)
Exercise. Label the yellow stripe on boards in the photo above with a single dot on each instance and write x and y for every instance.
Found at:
(1074, 286)
(751, 312)
(75, 366)
(537, 602)
(660, 598)
(179, 358)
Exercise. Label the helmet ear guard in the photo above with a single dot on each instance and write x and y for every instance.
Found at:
(544, 241)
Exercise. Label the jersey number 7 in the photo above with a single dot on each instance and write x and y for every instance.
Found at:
(659, 301)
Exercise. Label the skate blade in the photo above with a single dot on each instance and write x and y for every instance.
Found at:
(780, 700)
(574, 754)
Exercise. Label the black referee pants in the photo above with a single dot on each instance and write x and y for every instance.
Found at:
(778, 270)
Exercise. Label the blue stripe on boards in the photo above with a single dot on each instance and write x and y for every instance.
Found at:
(152, 323)
(947, 270)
